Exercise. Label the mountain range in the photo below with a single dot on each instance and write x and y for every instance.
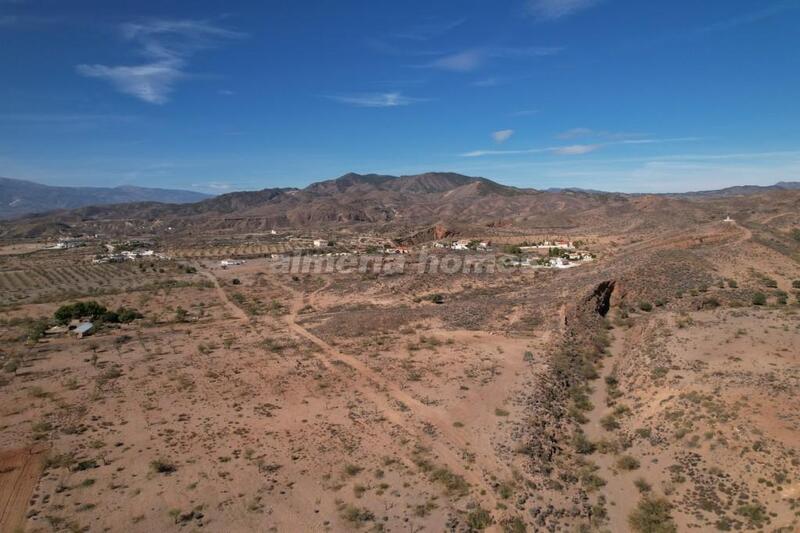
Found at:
(20, 197)
(401, 204)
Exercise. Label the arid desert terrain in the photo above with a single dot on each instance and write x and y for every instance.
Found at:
(651, 386)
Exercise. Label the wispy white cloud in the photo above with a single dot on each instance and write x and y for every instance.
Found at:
(660, 141)
(556, 9)
(474, 58)
(168, 45)
(502, 136)
(577, 133)
(465, 61)
(576, 149)
(393, 99)
(152, 83)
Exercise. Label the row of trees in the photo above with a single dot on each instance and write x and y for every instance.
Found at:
(95, 311)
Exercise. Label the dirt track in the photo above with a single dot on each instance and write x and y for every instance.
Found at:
(19, 472)
(376, 385)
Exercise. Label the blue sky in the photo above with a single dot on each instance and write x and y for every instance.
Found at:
(607, 94)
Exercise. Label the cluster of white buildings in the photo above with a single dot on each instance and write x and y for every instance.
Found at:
(66, 244)
(128, 255)
(548, 245)
(567, 261)
(463, 244)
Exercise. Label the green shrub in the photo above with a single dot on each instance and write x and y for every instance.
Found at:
(125, 315)
(94, 311)
(642, 485)
(627, 462)
(514, 525)
(162, 467)
(652, 515)
(754, 512)
(454, 484)
(479, 519)
(609, 422)
(759, 298)
(36, 329)
(357, 515)
(582, 443)
(646, 306)
(352, 470)
(90, 309)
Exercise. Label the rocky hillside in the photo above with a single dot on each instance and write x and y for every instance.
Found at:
(401, 205)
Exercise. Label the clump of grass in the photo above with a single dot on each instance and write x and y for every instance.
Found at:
(754, 513)
(652, 515)
(352, 470)
(479, 519)
(424, 509)
(642, 485)
(357, 515)
(161, 466)
(610, 422)
(589, 478)
(505, 490)
(582, 444)
(62, 460)
(628, 462)
(454, 484)
(514, 525)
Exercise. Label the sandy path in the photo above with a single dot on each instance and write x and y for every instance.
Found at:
(619, 489)
(388, 396)
(235, 310)
(19, 473)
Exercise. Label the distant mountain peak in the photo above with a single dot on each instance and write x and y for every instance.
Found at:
(21, 197)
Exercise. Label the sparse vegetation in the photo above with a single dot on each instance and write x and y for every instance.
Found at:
(161, 466)
(652, 515)
(627, 462)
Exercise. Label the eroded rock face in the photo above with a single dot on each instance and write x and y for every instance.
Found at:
(571, 358)
(602, 297)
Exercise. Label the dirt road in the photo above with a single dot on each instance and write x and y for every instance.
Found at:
(19, 472)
